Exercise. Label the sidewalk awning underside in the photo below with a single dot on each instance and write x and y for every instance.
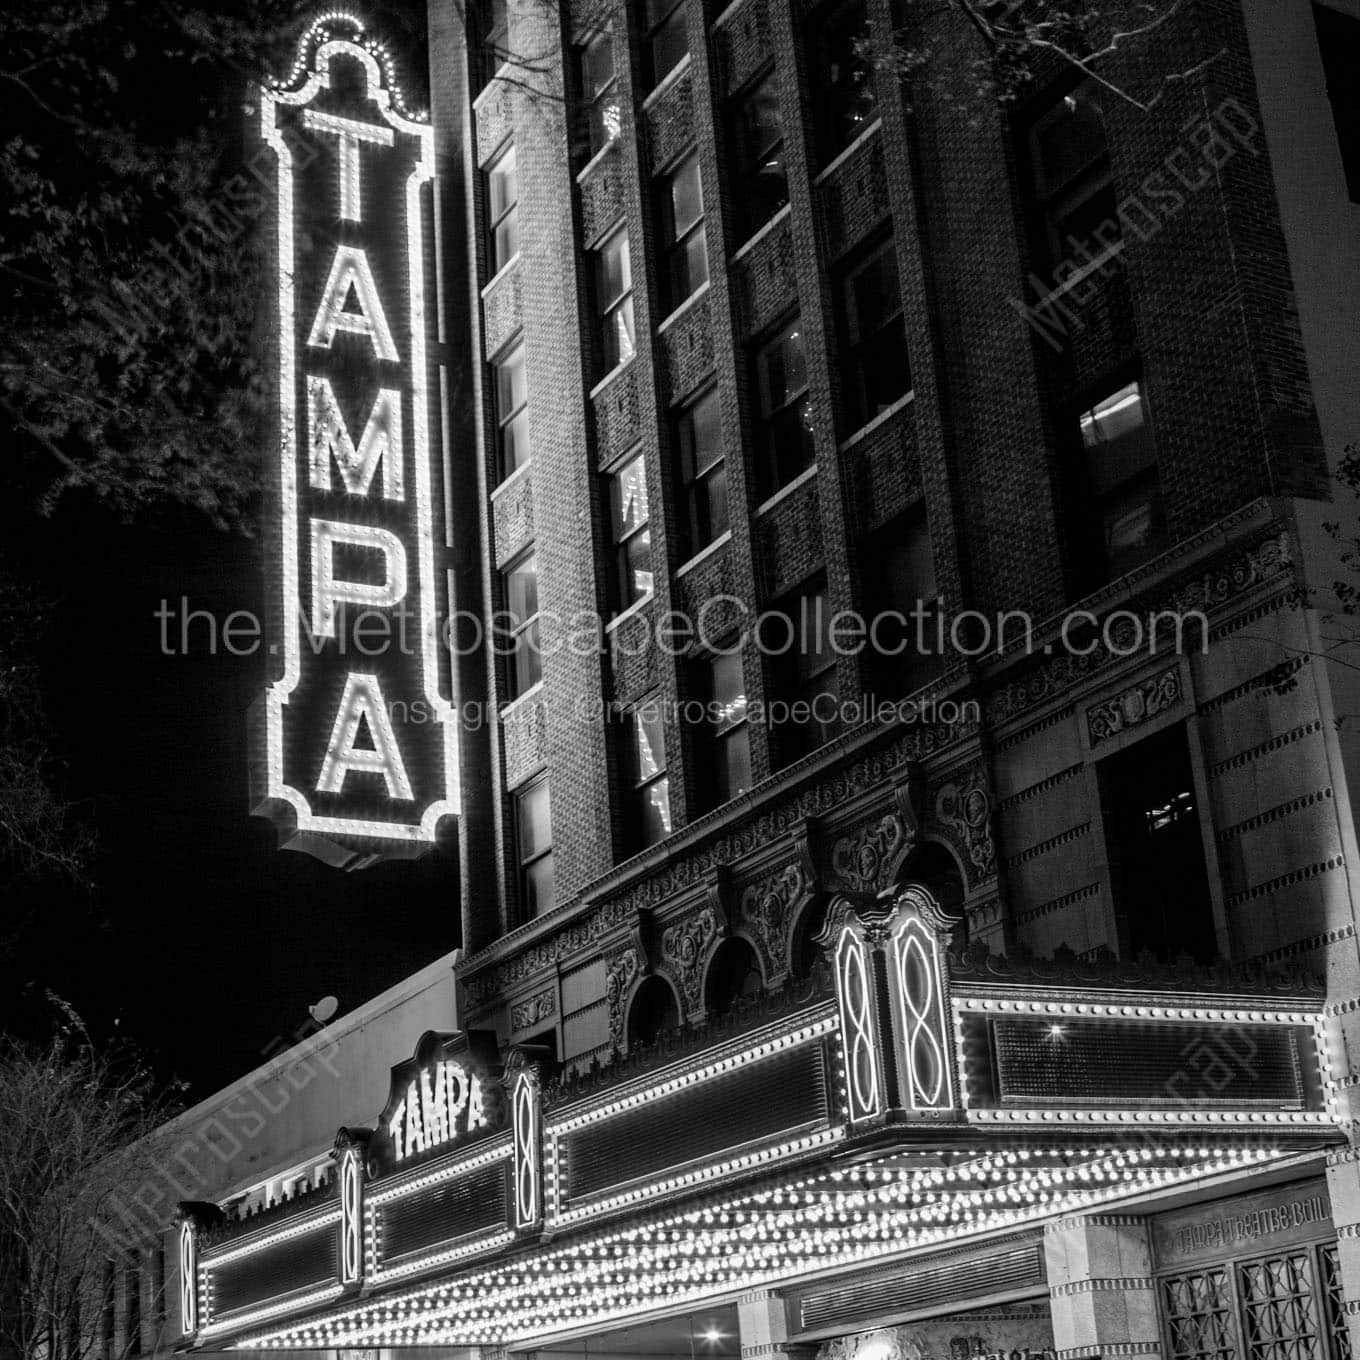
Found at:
(868, 1212)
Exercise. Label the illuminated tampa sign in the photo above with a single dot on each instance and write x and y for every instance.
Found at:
(356, 753)
(447, 1093)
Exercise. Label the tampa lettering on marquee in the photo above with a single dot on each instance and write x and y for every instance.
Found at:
(358, 490)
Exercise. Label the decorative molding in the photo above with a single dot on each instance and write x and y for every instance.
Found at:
(1102, 1284)
(529, 1012)
(1073, 833)
(770, 905)
(1136, 705)
(509, 961)
(1295, 876)
(963, 814)
(684, 948)
(1254, 753)
(620, 974)
(867, 859)
(1033, 791)
(1274, 814)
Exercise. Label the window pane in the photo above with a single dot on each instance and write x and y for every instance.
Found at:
(528, 659)
(687, 197)
(758, 125)
(511, 391)
(521, 588)
(1069, 141)
(615, 270)
(628, 496)
(656, 811)
(636, 567)
(515, 443)
(846, 77)
(669, 45)
(701, 435)
(728, 689)
(884, 369)
(649, 745)
(1117, 438)
(597, 65)
(538, 886)
(733, 764)
(619, 345)
(506, 241)
(535, 819)
(874, 295)
(812, 620)
(783, 372)
(504, 184)
(712, 507)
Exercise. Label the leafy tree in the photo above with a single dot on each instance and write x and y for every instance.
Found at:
(77, 1124)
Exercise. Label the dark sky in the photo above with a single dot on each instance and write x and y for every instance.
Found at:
(202, 938)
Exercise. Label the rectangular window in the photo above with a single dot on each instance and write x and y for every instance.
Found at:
(759, 179)
(844, 95)
(1199, 1316)
(784, 443)
(665, 42)
(1156, 849)
(1070, 165)
(1122, 510)
(614, 299)
(1339, 41)
(803, 672)
(651, 786)
(502, 208)
(1279, 1308)
(724, 753)
(703, 470)
(897, 569)
(533, 846)
(876, 368)
(520, 583)
(682, 230)
(512, 410)
(158, 1285)
(600, 108)
(630, 532)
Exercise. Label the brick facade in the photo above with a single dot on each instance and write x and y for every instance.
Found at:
(1199, 305)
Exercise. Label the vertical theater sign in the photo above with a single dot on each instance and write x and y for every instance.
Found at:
(355, 744)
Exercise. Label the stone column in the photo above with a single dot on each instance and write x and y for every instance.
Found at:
(1100, 1285)
(763, 1322)
(1343, 1189)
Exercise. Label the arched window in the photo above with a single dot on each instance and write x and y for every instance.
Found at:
(805, 950)
(733, 975)
(654, 1011)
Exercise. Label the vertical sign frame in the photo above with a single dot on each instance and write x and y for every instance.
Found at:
(343, 770)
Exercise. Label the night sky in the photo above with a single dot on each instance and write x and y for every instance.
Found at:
(204, 941)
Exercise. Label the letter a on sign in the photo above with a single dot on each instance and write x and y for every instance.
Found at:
(363, 703)
(355, 739)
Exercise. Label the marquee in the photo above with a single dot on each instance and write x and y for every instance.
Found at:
(356, 753)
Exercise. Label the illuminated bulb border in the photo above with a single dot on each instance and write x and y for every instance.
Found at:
(381, 90)
(493, 1306)
(321, 1217)
(385, 1192)
(1131, 1011)
(230, 1322)
(752, 1050)
(699, 1176)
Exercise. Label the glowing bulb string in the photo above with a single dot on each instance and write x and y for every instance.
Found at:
(637, 1265)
